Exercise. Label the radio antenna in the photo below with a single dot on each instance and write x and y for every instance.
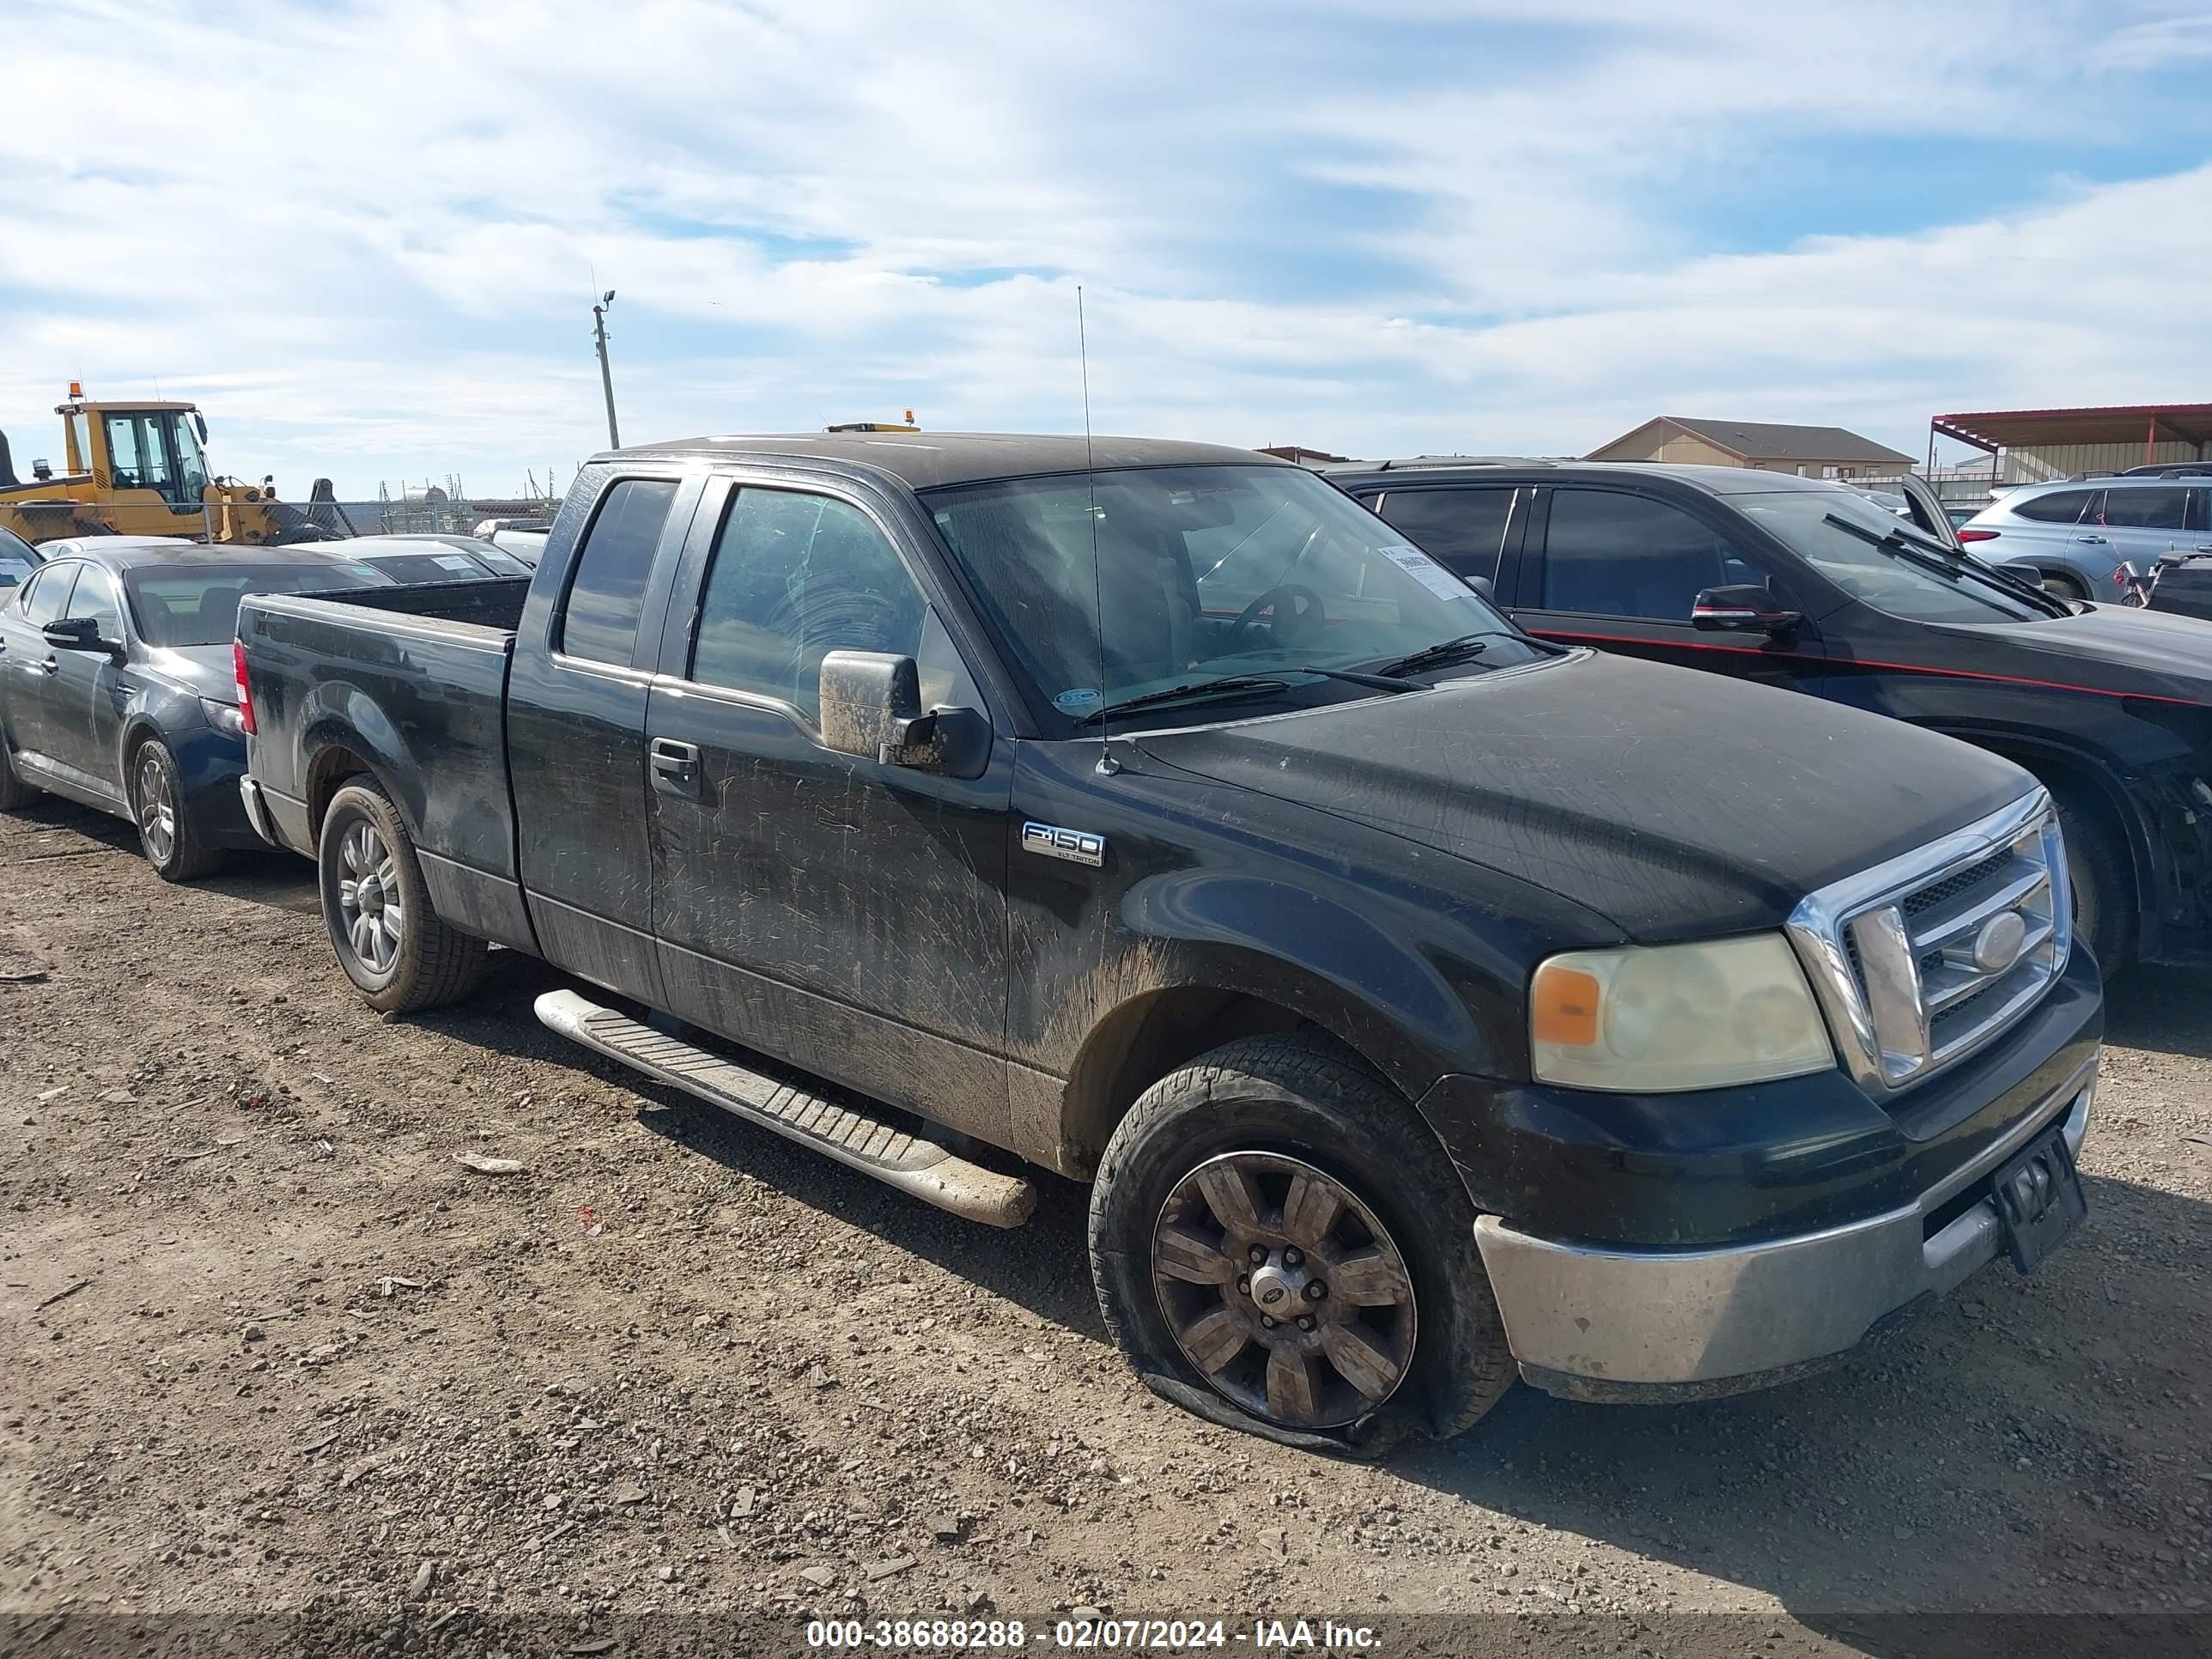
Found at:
(1107, 766)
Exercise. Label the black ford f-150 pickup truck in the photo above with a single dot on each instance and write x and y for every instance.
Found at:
(1423, 1000)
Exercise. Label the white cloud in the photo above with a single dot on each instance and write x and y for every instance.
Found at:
(365, 236)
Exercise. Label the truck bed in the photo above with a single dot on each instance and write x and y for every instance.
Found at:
(409, 684)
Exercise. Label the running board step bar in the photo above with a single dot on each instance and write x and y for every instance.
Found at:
(908, 1162)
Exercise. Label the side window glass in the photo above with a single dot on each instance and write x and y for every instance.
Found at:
(2200, 508)
(95, 597)
(1463, 529)
(608, 588)
(49, 594)
(2060, 507)
(2146, 509)
(792, 578)
(1612, 554)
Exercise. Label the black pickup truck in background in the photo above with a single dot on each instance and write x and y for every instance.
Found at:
(1807, 585)
(1422, 1001)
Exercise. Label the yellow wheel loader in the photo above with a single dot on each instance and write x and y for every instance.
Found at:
(140, 469)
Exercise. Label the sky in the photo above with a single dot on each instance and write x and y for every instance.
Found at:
(365, 238)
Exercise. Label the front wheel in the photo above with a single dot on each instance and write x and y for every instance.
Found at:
(166, 834)
(390, 942)
(2104, 888)
(1279, 1243)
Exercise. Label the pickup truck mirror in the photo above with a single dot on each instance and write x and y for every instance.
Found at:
(1483, 586)
(77, 633)
(1740, 608)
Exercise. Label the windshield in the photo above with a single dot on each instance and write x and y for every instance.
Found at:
(445, 567)
(1907, 579)
(175, 606)
(1202, 571)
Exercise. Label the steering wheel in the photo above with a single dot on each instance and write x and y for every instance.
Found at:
(1299, 616)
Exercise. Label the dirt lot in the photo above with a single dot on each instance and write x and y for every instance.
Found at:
(273, 1347)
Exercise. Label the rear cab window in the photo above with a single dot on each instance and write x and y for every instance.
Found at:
(606, 591)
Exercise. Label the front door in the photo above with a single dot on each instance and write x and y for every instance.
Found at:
(1620, 571)
(843, 915)
(85, 694)
(28, 666)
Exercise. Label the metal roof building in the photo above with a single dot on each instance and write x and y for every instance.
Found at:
(2047, 443)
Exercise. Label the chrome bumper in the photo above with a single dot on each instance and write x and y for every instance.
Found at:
(1625, 1322)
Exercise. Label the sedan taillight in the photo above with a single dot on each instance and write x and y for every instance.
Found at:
(1977, 535)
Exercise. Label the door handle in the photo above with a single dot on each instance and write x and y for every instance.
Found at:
(50, 666)
(2093, 540)
(675, 766)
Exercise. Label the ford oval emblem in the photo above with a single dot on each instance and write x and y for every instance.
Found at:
(1997, 946)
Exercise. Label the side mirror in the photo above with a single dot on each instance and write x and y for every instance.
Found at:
(872, 709)
(76, 634)
(1741, 608)
(1483, 586)
(199, 425)
(2020, 570)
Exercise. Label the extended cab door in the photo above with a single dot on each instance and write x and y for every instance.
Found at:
(841, 914)
(1610, 567)
(576, 727)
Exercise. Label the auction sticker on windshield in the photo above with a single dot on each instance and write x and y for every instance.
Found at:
(1425, 570)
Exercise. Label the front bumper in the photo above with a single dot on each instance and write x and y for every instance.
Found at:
(1602, 1322)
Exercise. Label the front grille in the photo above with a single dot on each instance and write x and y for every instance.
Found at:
(1921, 961)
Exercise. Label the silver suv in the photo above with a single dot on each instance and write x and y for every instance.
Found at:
(2079, 531)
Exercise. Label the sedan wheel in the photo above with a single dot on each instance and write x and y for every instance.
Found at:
(1284, 1289)
(157, 807)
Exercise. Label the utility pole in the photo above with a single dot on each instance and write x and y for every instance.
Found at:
(606, 375)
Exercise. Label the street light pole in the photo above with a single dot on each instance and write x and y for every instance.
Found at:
(606, 375)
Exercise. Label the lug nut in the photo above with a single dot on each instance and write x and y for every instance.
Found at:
(1259, 1256)
(1305, 1322)
(1244, 1285)
(1267, 1323)
(1292, 1257)
(1316, 1290)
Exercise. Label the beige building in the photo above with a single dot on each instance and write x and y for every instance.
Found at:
(1812, 451)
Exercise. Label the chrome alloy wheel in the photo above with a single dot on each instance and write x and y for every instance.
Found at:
(1284, 1290)
(369, 898)
(157, 807)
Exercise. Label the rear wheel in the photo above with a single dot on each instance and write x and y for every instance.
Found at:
(2061, 585)
(390, 942)
(14, 794)
(1277, 1242)
(166, 832)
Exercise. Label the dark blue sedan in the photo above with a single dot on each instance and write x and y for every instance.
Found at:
(117, 688)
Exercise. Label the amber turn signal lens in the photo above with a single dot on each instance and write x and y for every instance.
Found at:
(1563, 1006)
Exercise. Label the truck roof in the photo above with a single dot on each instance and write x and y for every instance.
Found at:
(1714, 480)
(924, 461)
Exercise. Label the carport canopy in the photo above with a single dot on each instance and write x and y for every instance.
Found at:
(2121, 423)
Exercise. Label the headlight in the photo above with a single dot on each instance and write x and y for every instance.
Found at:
(224, 717)
(1659, 1017)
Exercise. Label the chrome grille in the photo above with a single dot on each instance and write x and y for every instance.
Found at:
(1921, 961)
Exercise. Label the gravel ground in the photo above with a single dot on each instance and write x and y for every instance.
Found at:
(274, 1348)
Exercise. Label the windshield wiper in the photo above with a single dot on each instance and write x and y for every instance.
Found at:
(1227, 685)
(1933, 556)
(1436, 656)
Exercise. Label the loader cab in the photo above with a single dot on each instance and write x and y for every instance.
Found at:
(151, 447)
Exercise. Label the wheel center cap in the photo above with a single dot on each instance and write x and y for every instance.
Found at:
(372, 898)
(1279, 1290)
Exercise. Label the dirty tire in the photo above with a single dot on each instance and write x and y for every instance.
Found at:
(432, 964)
(1308, 1099)
(14, 794)
(2103, 883)
(176, 849)
(2060, 586)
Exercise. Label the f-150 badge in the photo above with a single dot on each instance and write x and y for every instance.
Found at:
(1076, 846)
